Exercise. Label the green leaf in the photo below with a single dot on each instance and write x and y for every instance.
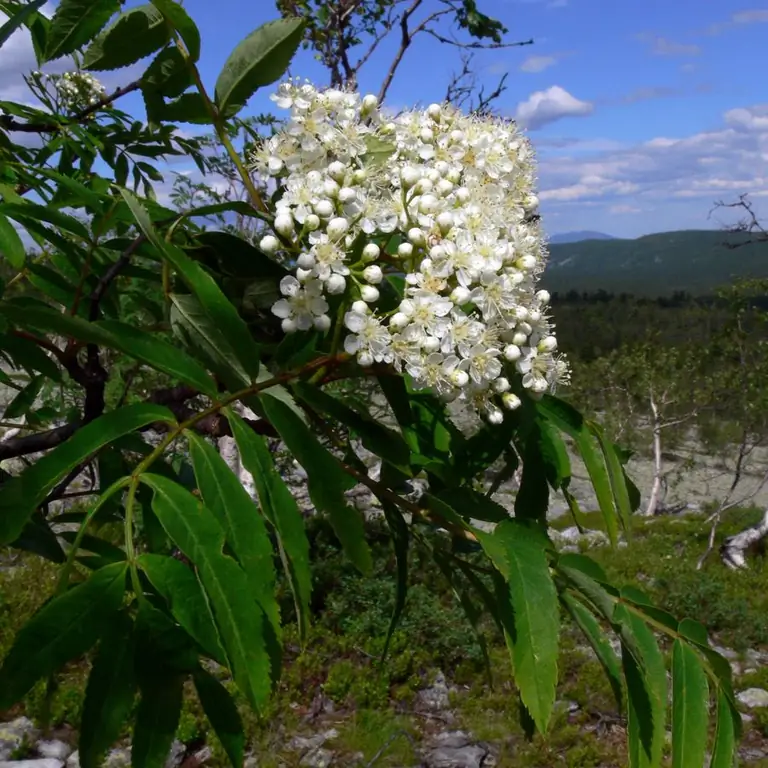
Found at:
(616, 477)
(75, 23)
(280, 508)
(646, 679)
(110, 692)
(690, 696)
(224, 495)
(188, 108)
(157, 717)
(595, 636)
(24, 399)
(160, 355)
(213, 301)
(221, 711)
(168, 74)
(179, 19)
(18, 19)
(11, 245)
(557, 465)
(20, 495)
(135, 34)
(327, 481)
(377, 152)
(400, 542)
(377, 438)
(601, 483)
(63, 629)
(257, 61)
(32, 213)
(181, 589)
(534, 642)
(474, 505)
(240, 621)
(724, 748)
(532, 499)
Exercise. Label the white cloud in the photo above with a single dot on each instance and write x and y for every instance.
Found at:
(740, 19)
(537, 63)
(543, 107)
(624, 209)
(662, 46)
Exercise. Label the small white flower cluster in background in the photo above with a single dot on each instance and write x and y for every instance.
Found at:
(76, 90)
(441, 198)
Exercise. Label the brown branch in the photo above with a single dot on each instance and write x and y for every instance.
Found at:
(476, 45)
(106, 279)
(9, 124)
(749, 224)
(406, 37)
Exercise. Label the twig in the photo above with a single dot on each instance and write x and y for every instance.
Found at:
(114, 270)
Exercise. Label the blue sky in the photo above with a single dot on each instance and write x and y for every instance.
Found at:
(643, 114)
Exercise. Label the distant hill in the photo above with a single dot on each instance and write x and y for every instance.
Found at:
(694, 261)
(576, 237)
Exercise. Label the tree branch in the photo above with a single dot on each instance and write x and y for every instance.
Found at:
(9, 124)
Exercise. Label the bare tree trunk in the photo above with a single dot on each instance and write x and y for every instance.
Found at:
(734, 547)
(653, 501)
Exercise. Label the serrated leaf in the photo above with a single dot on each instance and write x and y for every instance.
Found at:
(110, 692)
(534, 642)
(724, 747)
(18, 19)
(168, 74)
(136, 33)
(690, 696)
(557, 465)
(180, 587)
(616, 477)
(598, 474)
(188, 108)
(246, 533)
(259, 60)
(63, 629)
(646, 678)
(472, 504)
(75, 23)
(30, 214)
(11, 245)
(20, 495)
(239, 619)
(377, 151)
(157, 717)
(221, 711)
(400, 542)
(213, 301)
(180, 20)
(326, 480)
(280, 508)
(596, 637)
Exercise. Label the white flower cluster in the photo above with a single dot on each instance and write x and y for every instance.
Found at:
(76, 90)
(441, 198)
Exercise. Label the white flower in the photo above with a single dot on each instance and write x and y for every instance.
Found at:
(301, 305)
(482, 364)
(370, 336)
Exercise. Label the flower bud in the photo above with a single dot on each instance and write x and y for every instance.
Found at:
(373, 274)
(457, 136)
(512, 352)
(519, 338)
(430, 344)
(359, 175)
(444, 187)
(427, 135)
(284, 224)
(423, 186)
(460, 295)
(312, 222)
(388, 128)
(534, 315)
(494, 415)
(543, 296)
(330, 188)
(337, 171)
(371, 252)
(435, 111)
(360, 307)
(547, 344)
(398, 321)
(269, 244)
(306, 260)
(437, 252)
(303, 274)
(511, 401)
(337, 228)
(289, 286)
(500, 385)
(459, 378)
(369, 294)
(405, 250)
(347, 195)
(365, 359)
(454, 176)
(324, 208)
(289, 325)
(369, 103)
(531, 203)
(462, 194)
(322, 323)
(527, 262)
(409, 176)
(428, 204)
(445, 221)
(335, 284)
(539, 386)
(417, 237)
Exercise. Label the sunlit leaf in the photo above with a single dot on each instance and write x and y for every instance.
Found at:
(690, 696)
